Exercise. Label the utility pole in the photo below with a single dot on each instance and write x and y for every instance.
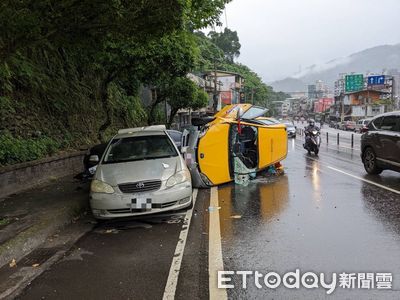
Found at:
(215, 96)
(166, 110)
(392, 104)
(342, 115)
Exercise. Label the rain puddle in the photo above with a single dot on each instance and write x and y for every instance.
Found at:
(77, 254)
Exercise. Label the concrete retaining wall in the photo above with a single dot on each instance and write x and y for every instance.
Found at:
(16, 178)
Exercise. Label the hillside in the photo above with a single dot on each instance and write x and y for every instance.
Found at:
(69, 78)
(373, 59)
(71, 72)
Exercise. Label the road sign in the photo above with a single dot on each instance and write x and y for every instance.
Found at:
(354, 82)
(376, 80)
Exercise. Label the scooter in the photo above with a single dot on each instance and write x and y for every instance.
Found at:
(313, 141)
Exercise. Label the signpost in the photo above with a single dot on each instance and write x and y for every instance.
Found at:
(376, 80)
(354, 83)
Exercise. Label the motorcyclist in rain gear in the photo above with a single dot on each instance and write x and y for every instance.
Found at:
(307, 132)
(311, 126)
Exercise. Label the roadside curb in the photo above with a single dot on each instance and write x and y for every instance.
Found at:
(24, 176)
(14, 281)
(26, 241)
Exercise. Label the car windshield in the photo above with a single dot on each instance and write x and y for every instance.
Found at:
(254, 112)
(268, 121)
(175, 135)
(139, 148)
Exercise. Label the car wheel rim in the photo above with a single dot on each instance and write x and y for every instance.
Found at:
(369, 160)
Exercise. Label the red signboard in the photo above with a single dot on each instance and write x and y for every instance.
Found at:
(226, 97)
(322, 104)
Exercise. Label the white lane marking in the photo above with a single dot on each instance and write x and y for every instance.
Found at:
(346, 147)
(173, 276)
(365, 180)
(327, 155)
(215, 262)
(354, 176)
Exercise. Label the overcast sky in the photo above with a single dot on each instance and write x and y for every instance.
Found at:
(279, 36)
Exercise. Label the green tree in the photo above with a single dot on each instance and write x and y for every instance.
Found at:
(228, 42)
(73, 69)
(256, 91)
(182, 93)
(203, 13)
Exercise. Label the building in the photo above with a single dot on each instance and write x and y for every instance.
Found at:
(376, 94)
(396, 87)
(293, 106)
(286, 106)
(226, 86)
(312, 91)
(317, 95)
(298, 95)
(229, 86)
(323, 104)
(277, 106)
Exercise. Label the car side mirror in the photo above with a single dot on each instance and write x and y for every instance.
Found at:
(183, 150)
(94, 158)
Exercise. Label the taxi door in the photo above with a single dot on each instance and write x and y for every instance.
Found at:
(213, 154)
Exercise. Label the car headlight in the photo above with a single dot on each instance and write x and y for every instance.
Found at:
(178, 177)
(98, 186)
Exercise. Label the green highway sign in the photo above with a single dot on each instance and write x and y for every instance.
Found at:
(354, 82)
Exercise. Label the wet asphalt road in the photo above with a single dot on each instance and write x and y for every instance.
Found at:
(129, 260)
(322, 216)
(314, 218)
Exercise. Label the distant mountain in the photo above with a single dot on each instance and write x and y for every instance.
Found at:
(373, 60)
(288, 85)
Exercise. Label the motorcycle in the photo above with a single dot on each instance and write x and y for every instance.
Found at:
(313, 141)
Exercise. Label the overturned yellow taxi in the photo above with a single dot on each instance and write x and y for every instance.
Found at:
(234, 144)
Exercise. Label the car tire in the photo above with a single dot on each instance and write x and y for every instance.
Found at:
(369, 161)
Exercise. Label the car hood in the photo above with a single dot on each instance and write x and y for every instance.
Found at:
(141, 170)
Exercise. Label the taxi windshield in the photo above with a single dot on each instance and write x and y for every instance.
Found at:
(254, 112)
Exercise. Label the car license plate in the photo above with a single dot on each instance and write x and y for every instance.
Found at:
(141, 202)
